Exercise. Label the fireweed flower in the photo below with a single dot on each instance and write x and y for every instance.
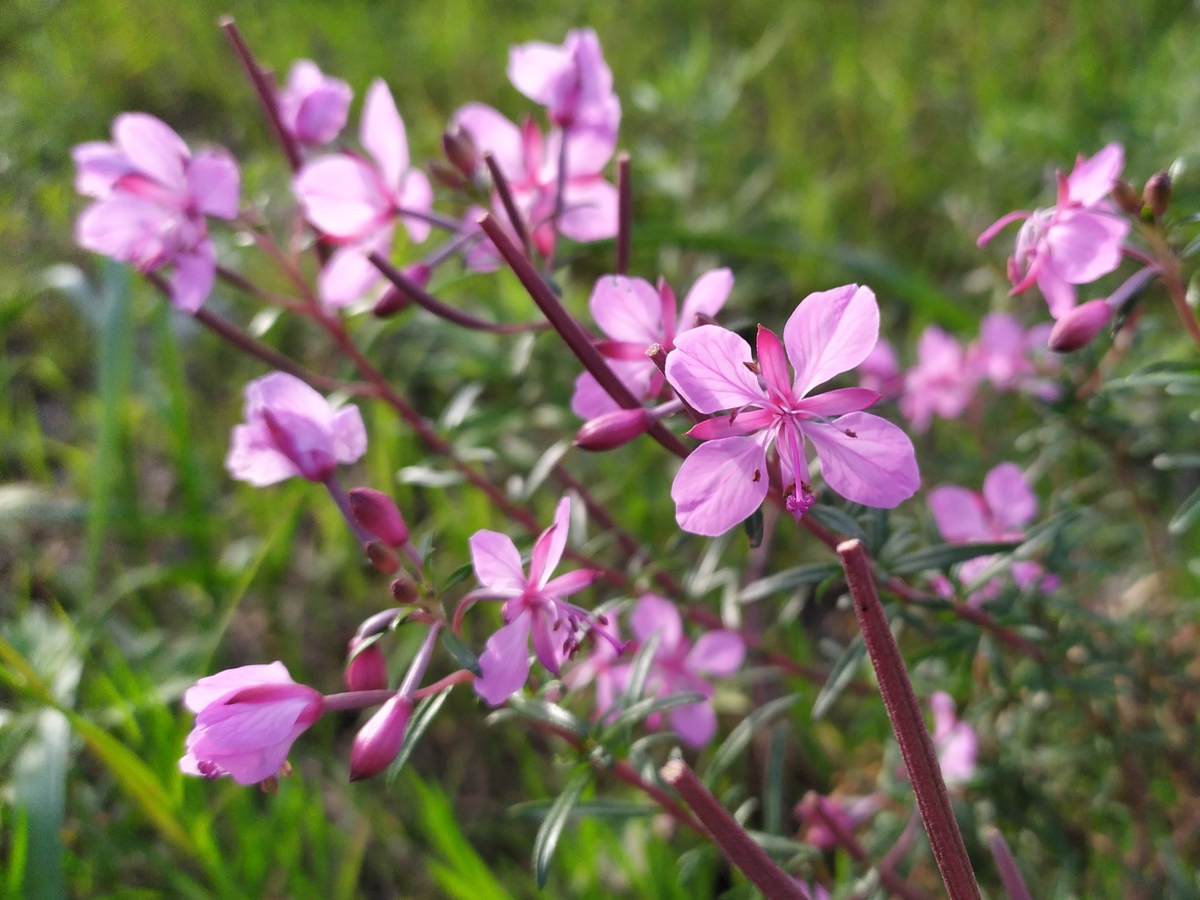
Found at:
(533, 606)
(313, 106)
(290, 430)
(998, 514)
(863, 457)
(1076, 241)
(634, 315)
(941, 383)
(601, 668)
(880, 371)
(1013, 358)
(956, 743)
(246, 721)
(849, 812)
(152, 199)
(355, 202)
(680, 667)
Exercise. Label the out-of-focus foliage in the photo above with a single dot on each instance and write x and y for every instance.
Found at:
(805, 144)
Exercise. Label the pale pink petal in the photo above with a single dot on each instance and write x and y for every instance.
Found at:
(773, 364)
(960, 514)
(957, 755)
(719, 485)
(1009, 497)
(348, 276)
(236, 724)
(1059, 294)
(571, 582)
(213, 184)
(341, 196)
(627, 309)
(548, 548)
(492, 132)
(657, 615)
(589, 209)
(313, 107)
(127, 228)
(707, 297)
(590, 400)
(877, 466)
(590, 145)
(382, 133)
(252, 766)
(98, 166)
(717, 653)
(279, 391)
(496, 561)
(696, 723)
(708, 369)
(349, 435)
(547, 642)
(211, 688)
(1086, 245)
(505, 661)
(745, 422)
(1092, 179)
(416, 194)
(253, 457)
(538, 70)
(838, 402)
(830, 333)
(153, 148)
(192, 280)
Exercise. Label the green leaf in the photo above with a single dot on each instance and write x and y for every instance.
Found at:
(543, 467)
(754, 528)
(1176, 461)
(943, 555)
(1186, 514)
(460, 652)
(550, 713)
(459, 574)
(840, 675)
(616, 810)
(731, 748)
(787, 580)
(837, 520)
(418, 723)
(552, 826)
(639, 669)
(774, 801)
(643, 709)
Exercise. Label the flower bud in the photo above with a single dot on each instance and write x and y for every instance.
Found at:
(404, 590)
(1077, 328)
(382, 621)
(1157, 194)
(1127, 198)
(446, 176)
(378, 742)
(377, 513)
(390, 303)
(382, 557)
(366, 667)
(460, 150)
(613, 429)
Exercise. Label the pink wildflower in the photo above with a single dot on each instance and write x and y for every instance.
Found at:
(152, 199)
(1076, 241)
(634, 315)
(956, 742)
(533, 605)
(941, 383)
(863, 457)
(880, 371)
(848, 812)
(600, 667)
(679, 667)
(290, 429)
(246, 721)
(1011, 357)
(313, 106)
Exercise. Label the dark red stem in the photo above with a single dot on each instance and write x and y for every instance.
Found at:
(509, 204)
(265, 89)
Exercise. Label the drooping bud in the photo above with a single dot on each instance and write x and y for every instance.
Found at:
(382, 557)
(1127, 198)
(445, 175)
(1079, 326)
(613, 429)
(378, 742)
(1157, 194)
(460, 150)
(377, 513)
(366, 666)
(404, 590)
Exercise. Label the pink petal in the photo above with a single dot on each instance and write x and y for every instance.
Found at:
(348, 276)
(571, 582)
(349, 435)
(627, 309)
(213, 183)
(695, 723)
(959, 513)
(192, 280)
(708, 369)
(722, 427)
(213, 687)
(1009, 497)
(252, 766)
(877, 467)
(153, 148)
(656, 615)
(589, 209)
(717, 653)
(772, 361)
(98, 166)
(590, 400)
(505, 662)
(1092, 179)
(1086, 245)
(341, 196)
(1060, 296)
(494, 133)
(382, 133)
(253, 457)
(548, 548)
(590, 145)
(830, 333)
(416, 194)
(707, 297)
(538, 70)
(720, 484)
(496, 561)
(838, 402)
(546, 641)
(127, 228)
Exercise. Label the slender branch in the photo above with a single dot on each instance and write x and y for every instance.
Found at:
(462, 676)
(1010, 875)
(510, 205)
(727, 833)
(624, 214)
(1172, 279)
(916, 746)
(265, 90)
(356, 699)
(560, 190)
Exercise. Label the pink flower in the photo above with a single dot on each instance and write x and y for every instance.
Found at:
(246, 721)
(379, 741)
(998, 514)
(1076, 328)
(291, 430)
(354, 202)
(863, 457)
(680, 667)
(956, 742)
(152, 199)
(532, 606)
(941, 383)
(634, 315)
(600, 667)
(880, 371)
(1076, 241)
(1013, 358)
(574, 84)
(849, 812)
(530, 166)
(313, 106)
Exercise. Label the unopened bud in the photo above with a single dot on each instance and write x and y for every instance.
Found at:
(1077, 328)
(366, 667)
(377, 624)
(447, 176)
(419, 274)
(382, 557)
(377, 513)
(391, 303)
(404, 591)
(1127, 198)
(1157, 194)
(378, 742)
(613, 429)
(460, 150)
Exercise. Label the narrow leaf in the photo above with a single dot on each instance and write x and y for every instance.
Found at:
(647, 707)
(1186, 514)
(550, 713)
(943, 555)
(420, 720)
(787, 580)
(841, 675)
(731, 748)
(552, 826)
(460, 652)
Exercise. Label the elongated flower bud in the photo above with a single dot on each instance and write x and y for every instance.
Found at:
(377, 513)
(404, 590)
(460, 150)
(613, 429)
(366, 669)
(1077, 328)
(378, 742)
(1126, 196)
(1157, 194)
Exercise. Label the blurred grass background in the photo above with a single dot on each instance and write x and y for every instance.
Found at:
(805, 144)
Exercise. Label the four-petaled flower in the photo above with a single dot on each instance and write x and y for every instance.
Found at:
(246, 721)
(863, 457)
(152, 199)
(1076, 241)
(634, 316)
(955, 741)
(533, 605)
(941, 382)
(313, 106)
(291, 430)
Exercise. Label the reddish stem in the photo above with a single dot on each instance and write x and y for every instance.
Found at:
(510, 205)
(1010, 875)
(265, 90)
(624, 213)
(916, 746)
